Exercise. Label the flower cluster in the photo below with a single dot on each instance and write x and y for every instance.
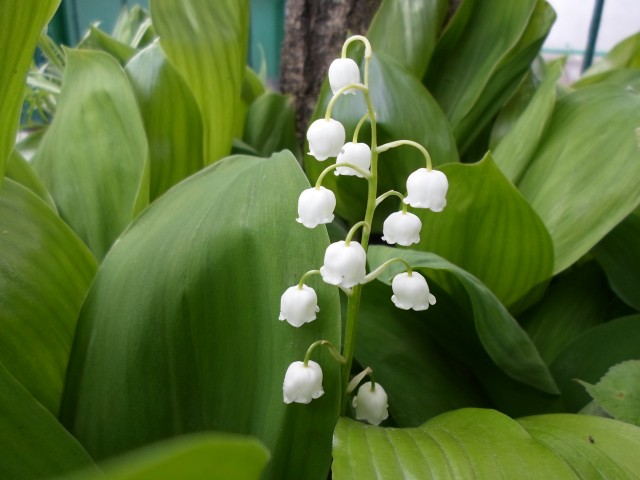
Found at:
(345, 261)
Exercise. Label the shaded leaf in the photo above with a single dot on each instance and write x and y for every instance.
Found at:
(19, 170)
(45, 273)
(214, 255)
(207, 43)
(93, 158)
(270, 125)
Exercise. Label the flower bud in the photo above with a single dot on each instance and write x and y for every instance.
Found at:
(411, 292)
(427, 189)
(358, 154)
(344, 265)
(402, 228)
(315, 206)
(343, 72)
(299, 305)
(326, 138)
(371, 405)
(302, 383)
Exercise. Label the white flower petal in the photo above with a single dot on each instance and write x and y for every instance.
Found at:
(326, 138)
(427, 189)
(302, 383)
(358, 154)
(344, 265)
(411, 292)
(371, 405)
(401, 228)
(343, 72)
(315, 207)
(299, 305)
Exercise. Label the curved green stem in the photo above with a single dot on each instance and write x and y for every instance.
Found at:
(357, 379)
(397, 143)
(368, 52)
(333, 166)
(323, 343)
(358, 126)
(376, 273)
(307, 275)
(388, 194)
(338, 94)
(352, 232)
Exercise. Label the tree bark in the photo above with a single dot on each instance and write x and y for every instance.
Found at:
(314, 33)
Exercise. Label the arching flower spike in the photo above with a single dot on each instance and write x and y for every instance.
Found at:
(326, 138)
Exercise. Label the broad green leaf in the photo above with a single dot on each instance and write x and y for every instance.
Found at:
(593, 447)
(514, 152)
(625, 54)
(582, 180)
(467, 443)
(207, 43)
(203, 456)
(620, 258)
(503, 339)
(45, 273)
(19, 170)
(618, 392)
(591, 354)
(575, 302)
(173, 127)
(198, 279)
(270, 125)
(404, 110)
(133, 27)
(21, 24)
(96, 39)
(408, 30)
(403, 348)
(93, 158)
(489, 230)
(33, 444)
(624, 77)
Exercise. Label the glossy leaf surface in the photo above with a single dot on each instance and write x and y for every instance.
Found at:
(207, 43)
(213, 257)
(45, 273)
(93, 158)
(21, 24)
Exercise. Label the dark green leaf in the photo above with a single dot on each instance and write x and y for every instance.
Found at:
(198, 279)
(270, 126)
(19, 170)
(93, 158)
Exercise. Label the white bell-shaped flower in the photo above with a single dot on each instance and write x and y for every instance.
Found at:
(315, 206)
(344, 265)
(343, 72)
(427, 189)
(402, 228)
(326, 138)
(411, 292)
(358, 154)
(302, 383)
(371, 405)
(299, 305)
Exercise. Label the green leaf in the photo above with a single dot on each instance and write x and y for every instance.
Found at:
(625, 78)
(96, 39)
(45, 273)
(626, 54)
(591, 354)
(270, 125)
(575, 302)
(593, 447)
(404, 110)
(408, 30)
(198, 279)
(204, 456)
(133, 26)
(174, 128)
(21, 24)
(403, 348)
(503, 339)
(19, 170)
(619, 256)
(467, 443)
(93, 158)
(489, 230)
(582, 181)
(618, 392)
(515, 150)
(207, 43)
(32, 442)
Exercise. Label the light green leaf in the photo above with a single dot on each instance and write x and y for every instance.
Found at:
(591, 354)
(173, 127)
(618, 392)
(620, 258)
(624, 77)
(404, 110)
(45, 273)
(133, 26)
(19, 170)
(467, 443)
(582, 181)
(198, 279)
(93, 158)
(593, 447)
(33, 444)
(489, 230)
(207, 43)
(203, 456)
(96, 39)
(514, 152)
(626, 54)
(503, 339)
(21, 24)
(408, 30)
